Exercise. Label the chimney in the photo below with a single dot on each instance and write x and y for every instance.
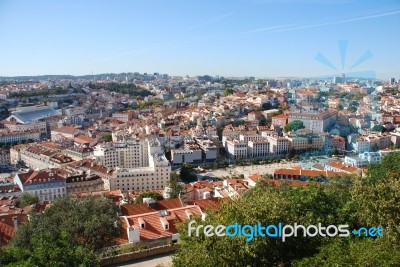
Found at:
(15, 220)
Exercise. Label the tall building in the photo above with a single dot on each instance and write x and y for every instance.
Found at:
(129, 154)
(133, 165)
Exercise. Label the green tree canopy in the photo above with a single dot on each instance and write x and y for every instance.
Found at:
(107, 137)
(187, 174)
(267, 205)
(378, 128)
(370, 201)
(228, 91)
(352, 108)
(92, 222)
(175, 185)
(27, 199)
(49, 250)
(153, 195)
(294, 126)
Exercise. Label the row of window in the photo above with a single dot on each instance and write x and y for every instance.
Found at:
(141, 188)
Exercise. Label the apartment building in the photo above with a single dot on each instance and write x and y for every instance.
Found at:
(129, 154)
(278, 145)
(372, 142)
(37, 126)
(67, 132)
(337, 142)
(305, 142)
(259, 149)
(9, 137)
(4, 157)
(130, 166)
(280, 120)
(125, 116)
(47, 184)
(84, 182)
(250, 137)
(237, 149)
(208, 148)
(39, 157)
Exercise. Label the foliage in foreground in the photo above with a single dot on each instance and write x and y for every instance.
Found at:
(366, 202)
(68, 233)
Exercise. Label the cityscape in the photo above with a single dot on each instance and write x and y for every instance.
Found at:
(110, 167)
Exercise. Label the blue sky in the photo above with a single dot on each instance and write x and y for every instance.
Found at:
(261, 38)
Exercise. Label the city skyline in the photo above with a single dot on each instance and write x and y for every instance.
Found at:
(260, 38)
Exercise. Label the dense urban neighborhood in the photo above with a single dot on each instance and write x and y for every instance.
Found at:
(150, 152)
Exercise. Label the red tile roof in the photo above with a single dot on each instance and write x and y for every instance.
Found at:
(134, 209)
(41, 176)
(207, 204)
(154, 222)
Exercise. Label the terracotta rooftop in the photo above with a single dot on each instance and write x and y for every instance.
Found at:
(154, 221)
(134, 209)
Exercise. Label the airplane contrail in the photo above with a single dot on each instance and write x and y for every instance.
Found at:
(285, 28)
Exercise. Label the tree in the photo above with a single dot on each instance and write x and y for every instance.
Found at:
(263, 121)
(49, 250)
(292, 153)
(285, 106)
(378, 128)
(368, 201)
(294, 126)
(228, 91)
(378, 198)
(153, 195)
(167, 153)
(335, 151)
(175, 186)
(27, 199)
(352, 108)
(92, 222)
(339, 107)
(266, 204)
(107, 137)
(364, 252)
(186, 173)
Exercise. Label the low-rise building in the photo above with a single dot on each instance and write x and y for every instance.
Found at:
(9, 137)
(125, 116)
(67, 132)
(185, 155)
(84, 182)
(280, 120)
(363, 159)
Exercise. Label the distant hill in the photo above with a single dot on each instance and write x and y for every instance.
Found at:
(72, 77)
